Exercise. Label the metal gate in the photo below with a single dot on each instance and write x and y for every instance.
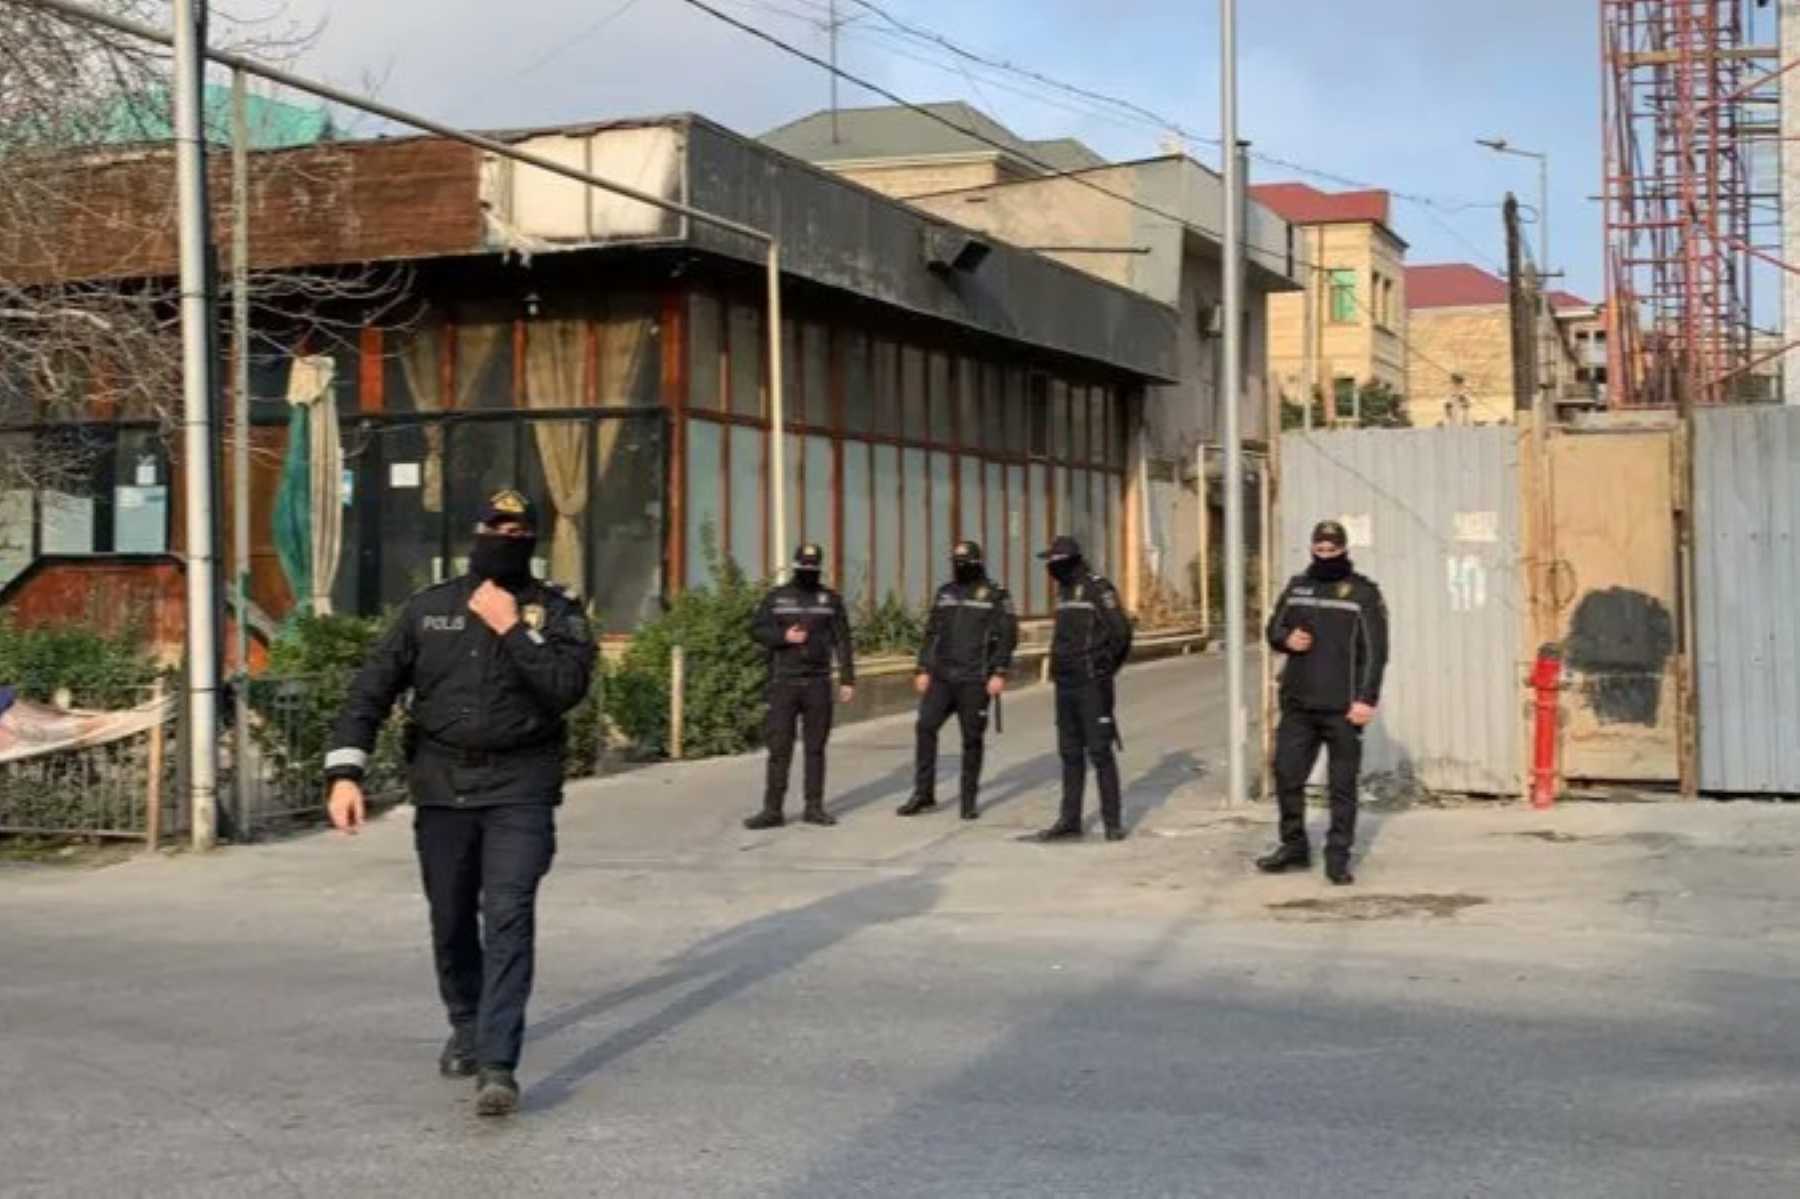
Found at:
(1433, 516)
(1747, 576)
(1615, 584)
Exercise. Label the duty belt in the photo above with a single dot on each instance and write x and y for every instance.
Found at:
(475, 759)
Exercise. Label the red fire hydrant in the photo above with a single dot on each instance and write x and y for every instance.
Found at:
(1546, 681)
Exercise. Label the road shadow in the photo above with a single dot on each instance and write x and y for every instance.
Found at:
(1150, 791)
(725, 965)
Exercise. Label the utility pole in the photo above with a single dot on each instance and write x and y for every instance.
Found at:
(240, 443)
(1233, 287)
(1500, 145)
(197, 439)
(832, 28)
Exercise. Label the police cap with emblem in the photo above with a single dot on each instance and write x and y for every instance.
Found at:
(1331, 533)
(809, 557)
(965, 551)
(1062, 547)
(508, 507)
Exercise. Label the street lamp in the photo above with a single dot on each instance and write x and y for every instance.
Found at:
(1502, 146)
(1499, 145)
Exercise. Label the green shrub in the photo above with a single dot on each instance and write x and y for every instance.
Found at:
(726, 671)
(97, 670)
(311, 665)
(889, 627)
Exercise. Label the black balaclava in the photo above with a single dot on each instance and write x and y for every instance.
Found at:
(808, 577)
(1331, 570)
(1065, 570)
(968, 571)
(505, 560)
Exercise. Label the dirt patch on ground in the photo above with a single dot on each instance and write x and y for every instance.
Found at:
(1655, 842)
(69, 853)
(1376, 907)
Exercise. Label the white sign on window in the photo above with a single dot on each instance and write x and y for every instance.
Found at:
(1483, 527)
(1361, 528)
(403, 476)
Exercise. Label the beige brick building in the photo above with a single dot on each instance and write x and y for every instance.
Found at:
(1460, 369)
(1348, 328)
(903, 153)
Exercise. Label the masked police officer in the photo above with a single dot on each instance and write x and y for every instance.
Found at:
(1091, 641)
(1332, 624)
(803, 625)
(494, 660)
(969, 642)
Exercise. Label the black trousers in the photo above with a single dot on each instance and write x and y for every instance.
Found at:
(483, 866)
(1297, 741)
(1085, 733)
(970, 703)
(797, 701)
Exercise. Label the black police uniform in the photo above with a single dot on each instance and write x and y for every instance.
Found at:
(1348, 622)
(970, 637)
(800, 683)
(485, 743)
(1091, 642)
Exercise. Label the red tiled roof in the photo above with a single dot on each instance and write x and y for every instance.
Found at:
(1464, 285)
(1299, 204)
(1452, 285)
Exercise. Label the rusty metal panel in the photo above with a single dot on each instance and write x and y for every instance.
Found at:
(1747, 575)
(1613, 507)
(1433, 516)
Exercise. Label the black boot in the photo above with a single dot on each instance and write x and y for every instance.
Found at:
(496, 1093)
(764, 819)
(1337, 870)
(1115, 832)
(1287, 857)
(916, 805)
(816, 814)
(970, 811)
(458, 1058)
(1062, 830)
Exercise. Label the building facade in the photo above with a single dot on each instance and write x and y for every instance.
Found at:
(612, 360)
(1151, 226)
(1347, 329)
(905, 152)
(1461, 365)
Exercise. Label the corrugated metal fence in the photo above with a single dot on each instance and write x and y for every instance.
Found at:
(1747, 575)
(1433, 516)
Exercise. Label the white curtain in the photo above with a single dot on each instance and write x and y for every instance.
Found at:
(553, 369)
(421, 363)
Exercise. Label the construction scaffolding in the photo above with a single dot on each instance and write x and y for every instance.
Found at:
(1692, 217)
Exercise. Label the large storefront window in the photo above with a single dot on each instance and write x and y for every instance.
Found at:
(900, 447)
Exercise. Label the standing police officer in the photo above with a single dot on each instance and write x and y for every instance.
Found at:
(803, 625)
(1091, 642)
(969, 643)
(1332, 624)
(494, 660)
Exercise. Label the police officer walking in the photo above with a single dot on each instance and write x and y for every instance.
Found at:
(494, 660)
(1332, 624)
(1091, 641)
(803, 625)
(968, 648)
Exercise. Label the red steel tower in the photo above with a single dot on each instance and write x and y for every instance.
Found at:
(1685, 99)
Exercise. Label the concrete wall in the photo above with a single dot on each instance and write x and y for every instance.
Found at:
(1475, 343)
(907, 179)
(1371, 346)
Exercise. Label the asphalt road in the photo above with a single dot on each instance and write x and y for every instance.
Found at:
(1598, 1001)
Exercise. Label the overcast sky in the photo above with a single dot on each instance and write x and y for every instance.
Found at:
(1389, 92)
